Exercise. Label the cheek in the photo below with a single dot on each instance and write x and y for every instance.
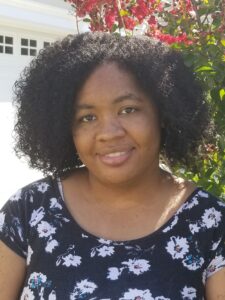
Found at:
(146, 128)
(150, 138)
(83, 142)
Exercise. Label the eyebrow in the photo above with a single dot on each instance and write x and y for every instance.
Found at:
(116, 100)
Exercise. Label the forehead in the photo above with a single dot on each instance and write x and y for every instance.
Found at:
(108, 80)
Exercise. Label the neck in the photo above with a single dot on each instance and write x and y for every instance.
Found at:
(129, 194)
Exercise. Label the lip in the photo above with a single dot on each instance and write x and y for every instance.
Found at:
(115, 158)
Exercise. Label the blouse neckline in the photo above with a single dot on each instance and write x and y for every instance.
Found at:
(151, 236)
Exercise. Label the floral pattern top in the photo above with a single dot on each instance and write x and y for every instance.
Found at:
(65, 262)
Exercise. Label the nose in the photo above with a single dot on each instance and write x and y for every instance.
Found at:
(110, 128)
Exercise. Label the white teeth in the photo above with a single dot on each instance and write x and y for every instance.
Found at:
(115, 154)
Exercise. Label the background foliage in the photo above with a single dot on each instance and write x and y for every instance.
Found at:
(195, 27)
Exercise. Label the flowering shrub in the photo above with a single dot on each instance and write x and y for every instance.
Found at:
(195, 27)
(172, 21)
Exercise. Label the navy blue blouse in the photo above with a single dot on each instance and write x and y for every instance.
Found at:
(66, 262)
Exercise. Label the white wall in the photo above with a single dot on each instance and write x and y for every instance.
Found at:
(11, 65)
(43, 16)
(14, 172)
(41, 20)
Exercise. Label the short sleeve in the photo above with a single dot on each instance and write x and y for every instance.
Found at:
(12, 225)
(217, 257)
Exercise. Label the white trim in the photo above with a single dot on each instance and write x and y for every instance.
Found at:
(40, 17)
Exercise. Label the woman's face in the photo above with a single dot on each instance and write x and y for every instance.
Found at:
(116, 129)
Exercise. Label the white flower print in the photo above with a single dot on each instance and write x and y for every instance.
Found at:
(216, 264)
(192, 262)
(161, 298)
(16, 196)
(188, 293)
(177, 247)
(84, 236)
(86, 287)
(74, 294)
(2, 220)
(36, 280)
(211, 217)
(105, 251)
(191, 204)
(37, 216)
(52, 295)
(55, 204)
(81, 288)
(71, 260)
(188, 205)
(42, 187)
(45, 229)
(137, 266)
(27, 294)
(114, 273)
(103, 241)
(194, 228)
(204, 276)
(51, 245)
(215, 245)
(41, 293)
(203, 194)
(173, 223)
(135, 294)
(29, 254)
(17, 224)
(221, 203)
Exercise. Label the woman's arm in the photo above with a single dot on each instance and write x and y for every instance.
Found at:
(215, 286)
(12, 273)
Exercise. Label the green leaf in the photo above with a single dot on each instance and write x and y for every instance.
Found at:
(222, 94)
(114, 28)
(87, 20)
(223, 42)
(204, 68)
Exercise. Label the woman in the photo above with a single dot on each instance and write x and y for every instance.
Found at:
(95, 112)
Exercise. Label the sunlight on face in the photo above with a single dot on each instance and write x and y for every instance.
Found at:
(116, 129)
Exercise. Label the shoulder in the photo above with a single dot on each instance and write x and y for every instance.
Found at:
(207, 200)
(24, 210)
(213, 209)
(36, 188)
(30, 197)
(200, 199)
(205, 214)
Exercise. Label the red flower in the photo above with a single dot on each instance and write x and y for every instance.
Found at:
(89, 5)
(152, 20)
(160, 7)
(140, 11)
(96, 26)
(170, 39)
(110, 18)
(129, 23)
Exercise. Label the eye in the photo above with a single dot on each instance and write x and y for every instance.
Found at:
(87, 118)
(128, 110)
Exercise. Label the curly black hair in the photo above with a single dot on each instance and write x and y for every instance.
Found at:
(45, 97)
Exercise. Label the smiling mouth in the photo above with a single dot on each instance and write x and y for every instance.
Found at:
(115, 158)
